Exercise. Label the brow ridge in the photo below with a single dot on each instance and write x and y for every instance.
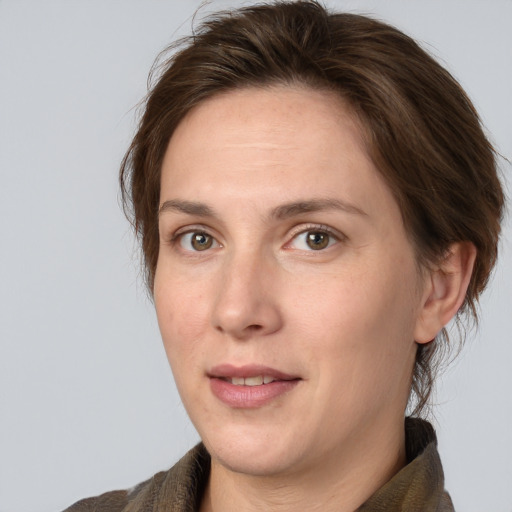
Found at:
(187, 207)
(295, 208)
(281, 212)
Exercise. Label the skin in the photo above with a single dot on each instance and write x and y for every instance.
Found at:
(345, 319)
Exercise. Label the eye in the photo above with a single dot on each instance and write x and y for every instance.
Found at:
(197, 241)
(313, 239)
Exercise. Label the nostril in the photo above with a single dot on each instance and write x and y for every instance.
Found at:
(250, 329)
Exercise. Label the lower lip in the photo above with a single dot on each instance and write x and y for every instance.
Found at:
(250, 397)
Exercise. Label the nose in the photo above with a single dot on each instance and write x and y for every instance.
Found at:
(247, 300)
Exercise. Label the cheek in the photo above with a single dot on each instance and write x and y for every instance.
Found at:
(362, 324)
(182, 319)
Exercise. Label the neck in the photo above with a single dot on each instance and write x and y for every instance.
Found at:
(340, 483)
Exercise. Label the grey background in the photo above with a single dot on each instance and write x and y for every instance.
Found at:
(87, 402)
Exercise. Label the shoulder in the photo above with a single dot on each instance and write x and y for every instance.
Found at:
(178, 489)
(124, 500)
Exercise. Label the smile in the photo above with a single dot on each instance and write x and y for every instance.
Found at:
(251, 381)
(251, 386)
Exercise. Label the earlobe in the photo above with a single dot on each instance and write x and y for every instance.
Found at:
(444, 290)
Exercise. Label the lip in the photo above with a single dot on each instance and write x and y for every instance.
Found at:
(228, 371)
(249, 397)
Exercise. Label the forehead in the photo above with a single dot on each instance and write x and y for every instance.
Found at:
(247, 132)
(272, 110)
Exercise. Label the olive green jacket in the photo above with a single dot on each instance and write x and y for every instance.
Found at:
(418, 487)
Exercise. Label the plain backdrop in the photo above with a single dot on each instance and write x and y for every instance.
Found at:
(87, 402)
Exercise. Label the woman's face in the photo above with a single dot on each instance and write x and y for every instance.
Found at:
(286, 289)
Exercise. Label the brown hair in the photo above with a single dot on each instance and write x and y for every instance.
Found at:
(420, 128)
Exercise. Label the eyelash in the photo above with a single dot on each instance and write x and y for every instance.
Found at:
(334, 237)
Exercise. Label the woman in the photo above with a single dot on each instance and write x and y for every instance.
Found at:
(315, 200)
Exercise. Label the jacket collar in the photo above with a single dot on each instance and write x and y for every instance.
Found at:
(420, 484)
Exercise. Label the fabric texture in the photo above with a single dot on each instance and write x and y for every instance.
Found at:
(418, 487)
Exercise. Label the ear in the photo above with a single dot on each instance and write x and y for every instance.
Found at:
(444, 291)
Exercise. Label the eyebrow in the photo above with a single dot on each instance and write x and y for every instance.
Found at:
(187, 207)
(281, 212)
(293, 209)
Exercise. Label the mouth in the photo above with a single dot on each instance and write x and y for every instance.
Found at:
(249, 375)
(259, 380)
(250, 386)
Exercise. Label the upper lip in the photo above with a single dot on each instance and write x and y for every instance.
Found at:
(223, 371)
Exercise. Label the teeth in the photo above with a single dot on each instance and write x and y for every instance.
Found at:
(252, 381)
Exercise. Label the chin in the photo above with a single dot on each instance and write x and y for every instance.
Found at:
(257, 455)
(263, 464)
